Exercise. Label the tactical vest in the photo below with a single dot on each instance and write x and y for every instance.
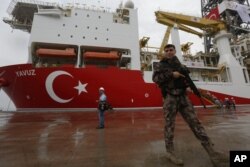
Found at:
(174, 86)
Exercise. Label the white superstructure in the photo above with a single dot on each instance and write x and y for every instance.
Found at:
(82, 28)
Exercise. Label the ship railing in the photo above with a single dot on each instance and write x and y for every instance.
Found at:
(85, 7)
(210, 74)
(13, 3)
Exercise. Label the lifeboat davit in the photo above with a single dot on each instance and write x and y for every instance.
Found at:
(3, 82)
(44, 52)
(113, 55)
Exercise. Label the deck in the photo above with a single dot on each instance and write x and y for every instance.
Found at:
(130, 138)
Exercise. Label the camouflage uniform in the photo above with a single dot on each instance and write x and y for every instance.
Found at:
(175, 99)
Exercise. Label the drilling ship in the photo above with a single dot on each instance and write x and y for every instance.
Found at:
(74, 50)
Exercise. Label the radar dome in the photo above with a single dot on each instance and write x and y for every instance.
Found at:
(129, 4)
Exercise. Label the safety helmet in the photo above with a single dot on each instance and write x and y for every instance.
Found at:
(101, 88)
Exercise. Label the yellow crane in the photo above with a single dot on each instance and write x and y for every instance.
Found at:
(164, 41)
(143, 42)
(185, 48)
(211, 27)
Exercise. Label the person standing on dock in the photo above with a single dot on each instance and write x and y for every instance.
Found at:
(227, 104)
(232, 102)
(167, 75)
(101, 108)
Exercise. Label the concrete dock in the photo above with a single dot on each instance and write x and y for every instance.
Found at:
(130, 138)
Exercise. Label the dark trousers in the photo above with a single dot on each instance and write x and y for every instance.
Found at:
(181, 104)
(101, 118)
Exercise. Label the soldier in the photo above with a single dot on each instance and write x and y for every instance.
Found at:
(173, 85)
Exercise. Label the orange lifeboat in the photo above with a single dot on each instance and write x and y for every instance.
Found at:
(113, 55)
(3, 82)
(43, 52)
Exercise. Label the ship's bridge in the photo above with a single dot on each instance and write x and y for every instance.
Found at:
(22, 12)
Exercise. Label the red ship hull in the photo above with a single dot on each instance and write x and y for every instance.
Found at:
(77, 88)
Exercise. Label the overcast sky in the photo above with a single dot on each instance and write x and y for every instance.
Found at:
(14, 43)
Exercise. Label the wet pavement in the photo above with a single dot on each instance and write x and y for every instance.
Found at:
(130, 138)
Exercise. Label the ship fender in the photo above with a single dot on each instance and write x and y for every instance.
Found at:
(3, 82)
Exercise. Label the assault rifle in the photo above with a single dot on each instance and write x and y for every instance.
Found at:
(184, 71)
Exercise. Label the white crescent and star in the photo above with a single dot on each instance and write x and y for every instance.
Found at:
(81, 87)
(49, 86)
(213, 16)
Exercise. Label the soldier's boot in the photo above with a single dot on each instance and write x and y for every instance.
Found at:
(218, 159)
(174, 159)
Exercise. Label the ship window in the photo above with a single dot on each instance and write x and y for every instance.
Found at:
(228, 75)
(76, 26)
(99, 17)
(245, 75)
(107, 39)
(125, 52)
(71, 36)
(63, 25)
(242, 48)
(75, 14)
(107, 29)
(96, 28)
(95, 38)
(87, 15)
(58, 35)
(248, 46)
(83, 37)
(126, 20)
(87, 27)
